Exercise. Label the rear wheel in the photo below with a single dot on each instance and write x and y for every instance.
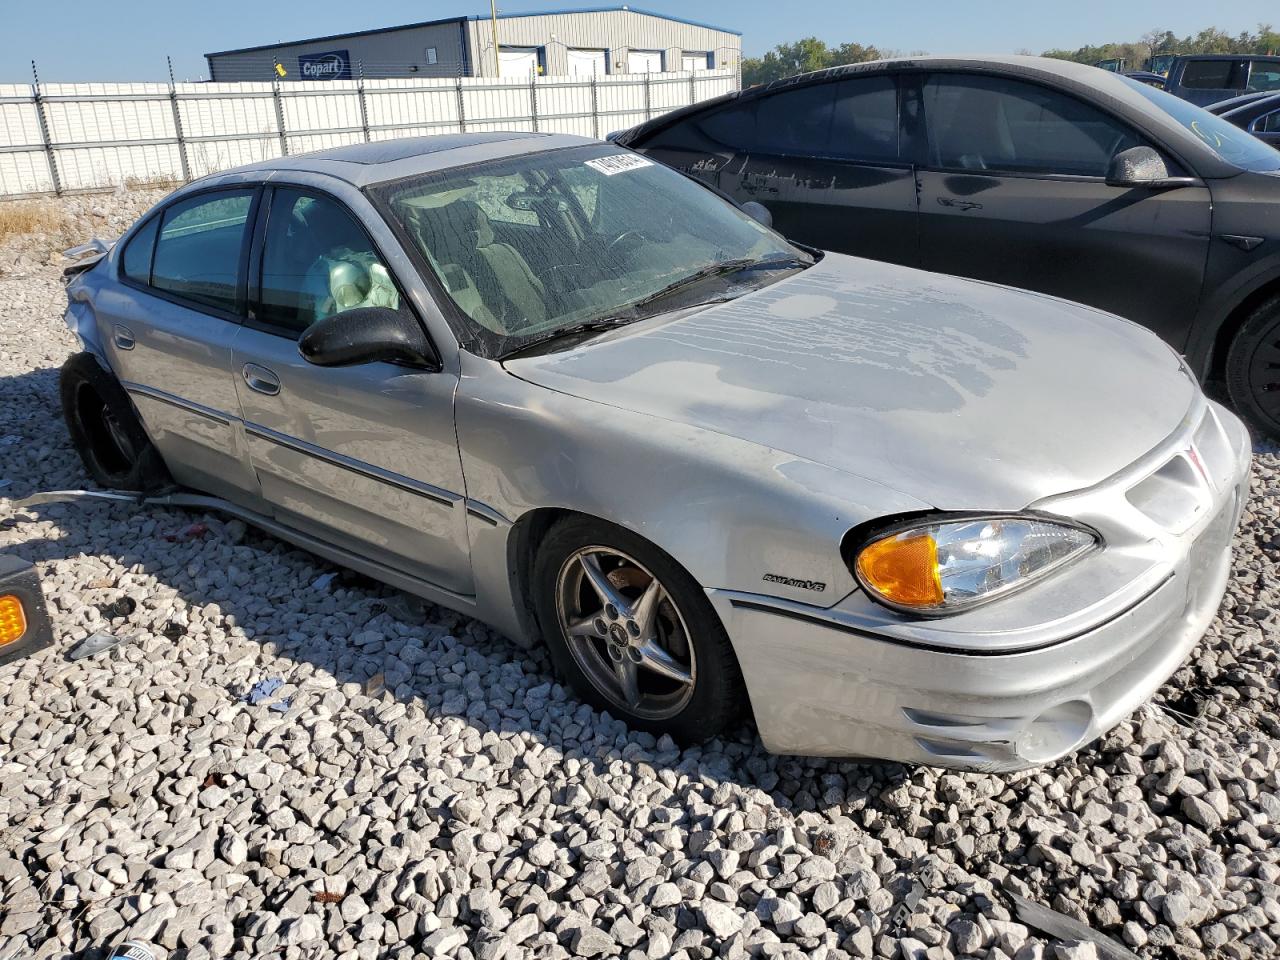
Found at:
(634, 633)
(105, 431)
(1253, 369)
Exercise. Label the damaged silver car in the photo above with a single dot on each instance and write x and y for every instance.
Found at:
(551, 384)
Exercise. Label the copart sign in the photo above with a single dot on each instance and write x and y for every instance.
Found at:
(334, 65)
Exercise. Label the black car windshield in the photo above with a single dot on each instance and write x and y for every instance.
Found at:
(575, 239)
(1237, 147)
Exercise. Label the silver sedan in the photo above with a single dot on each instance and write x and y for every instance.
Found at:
(548, 383)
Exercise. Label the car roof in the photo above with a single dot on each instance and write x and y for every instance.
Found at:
(1103, 87)
(363, 164)
(1228, 56)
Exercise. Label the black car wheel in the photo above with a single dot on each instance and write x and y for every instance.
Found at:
(633, 632)
(105, 430)
(1253, 369)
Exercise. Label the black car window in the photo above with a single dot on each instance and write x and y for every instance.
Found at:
(733, 126)
(135, 263)
(865, 123)
(317, 261)
(1208, 74)
(1268, 124)
(992, 123)
(197, 254)
(796, 122)
(1264, 76)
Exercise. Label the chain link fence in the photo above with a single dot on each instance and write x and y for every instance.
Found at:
(58, 138)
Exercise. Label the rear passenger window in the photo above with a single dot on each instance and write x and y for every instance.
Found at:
(198, 252)
(136, 262)
(991, 123)
(865, 123)
(796, 122)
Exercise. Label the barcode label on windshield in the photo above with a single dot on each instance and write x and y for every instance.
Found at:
(618, 163)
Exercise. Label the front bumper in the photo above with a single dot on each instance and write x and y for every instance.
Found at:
(848, 681)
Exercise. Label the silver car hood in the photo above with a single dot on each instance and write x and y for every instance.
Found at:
(964, 395)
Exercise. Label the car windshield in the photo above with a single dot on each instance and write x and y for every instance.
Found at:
(536, 246)
(1237, 147)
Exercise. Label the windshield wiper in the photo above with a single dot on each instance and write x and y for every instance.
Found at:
(720, 269)
(573, 329)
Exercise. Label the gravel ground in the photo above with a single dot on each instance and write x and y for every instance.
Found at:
(421, 787)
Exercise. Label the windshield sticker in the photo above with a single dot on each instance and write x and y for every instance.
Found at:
(618, 163)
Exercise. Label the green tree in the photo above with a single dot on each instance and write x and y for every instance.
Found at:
(802, 56)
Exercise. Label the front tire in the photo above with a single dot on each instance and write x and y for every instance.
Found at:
(105, 430)
(633, 633)
(1253, 369)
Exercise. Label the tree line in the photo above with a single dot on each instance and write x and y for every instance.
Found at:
(810, 53)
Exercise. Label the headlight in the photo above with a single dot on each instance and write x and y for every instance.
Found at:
(941, 565)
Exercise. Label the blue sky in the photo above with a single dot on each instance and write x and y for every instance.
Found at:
(128, 39)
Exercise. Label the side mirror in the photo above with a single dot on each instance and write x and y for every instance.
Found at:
(758, 212)
(365, 335)
(1143, 167)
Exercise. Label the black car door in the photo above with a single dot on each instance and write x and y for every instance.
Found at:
(1013, 189)
(823, 157)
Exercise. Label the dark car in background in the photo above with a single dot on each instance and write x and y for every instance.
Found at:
(1260, 116)
(1042, 174)
(1207, 78)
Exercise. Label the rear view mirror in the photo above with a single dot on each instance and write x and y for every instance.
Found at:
(758, 212)
(1143, 167)
(365, 335)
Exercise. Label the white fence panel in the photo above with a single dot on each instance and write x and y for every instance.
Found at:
(89, 136)
(19, 122)
(486, 99)
(410, 108)
(668, 91)
(210, 156)
(310, 106)
(93, 168)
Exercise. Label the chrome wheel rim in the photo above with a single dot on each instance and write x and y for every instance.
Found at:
(625, 633)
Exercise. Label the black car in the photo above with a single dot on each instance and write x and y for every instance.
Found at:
(1035, 173)
(1260, 116)
(1207, 78)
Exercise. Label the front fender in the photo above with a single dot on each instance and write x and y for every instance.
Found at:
(736, 515)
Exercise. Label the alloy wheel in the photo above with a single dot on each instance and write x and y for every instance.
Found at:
(625, 633)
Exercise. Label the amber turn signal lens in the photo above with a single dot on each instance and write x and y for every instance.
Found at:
(903, 570)
(13, 620)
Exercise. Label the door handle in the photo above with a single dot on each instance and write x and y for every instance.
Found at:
(122, 336)
(260, 379)
(959, 204)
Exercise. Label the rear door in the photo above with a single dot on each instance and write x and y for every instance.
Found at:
(825, 160)
(1013, 189)
(364, 456)
(169, 330)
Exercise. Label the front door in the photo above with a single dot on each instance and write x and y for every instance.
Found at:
(824, 160)
(169, 333)
(1013, 189)
(364, 456)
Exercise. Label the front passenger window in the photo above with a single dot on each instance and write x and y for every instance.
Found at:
(984, 123)
(317, 261)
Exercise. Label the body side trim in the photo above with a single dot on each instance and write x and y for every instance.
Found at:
(408, 484)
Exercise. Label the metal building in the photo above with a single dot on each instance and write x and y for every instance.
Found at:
(551, 43)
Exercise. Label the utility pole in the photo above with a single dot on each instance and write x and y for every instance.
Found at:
(493, 18)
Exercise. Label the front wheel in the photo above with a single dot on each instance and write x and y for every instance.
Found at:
(1253, 369)
(634, 633)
